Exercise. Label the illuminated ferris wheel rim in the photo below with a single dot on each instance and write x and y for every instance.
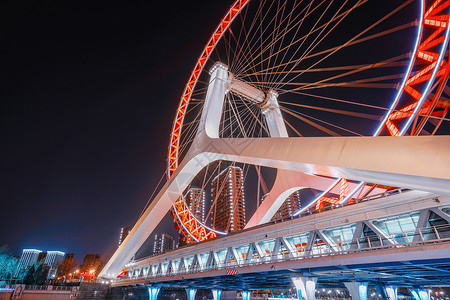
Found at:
(236, 9)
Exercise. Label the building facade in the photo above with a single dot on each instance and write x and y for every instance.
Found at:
(28, 258)
(53, 260)
(162, 243)
(228, 201)
(91, 264)
(195, 200)
(124, 231)
(289, 207)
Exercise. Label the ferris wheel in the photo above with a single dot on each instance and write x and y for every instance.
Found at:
(313, 68)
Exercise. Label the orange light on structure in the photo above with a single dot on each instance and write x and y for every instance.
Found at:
(187, 224)
(433, 107)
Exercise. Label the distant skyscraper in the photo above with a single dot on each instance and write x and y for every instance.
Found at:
(53, 260)
(289, 207)
(228, 200)
(29, 257)
(163, 242)
(124, 233)
(195, 199)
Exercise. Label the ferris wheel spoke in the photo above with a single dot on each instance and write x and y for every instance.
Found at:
(308, 119)
(298, 24)
(255, 44)
(337, 111)
(354, 41)
(293, 128)
(302, 38)
(318, 39)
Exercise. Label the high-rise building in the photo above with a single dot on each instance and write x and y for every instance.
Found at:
(53, 260)
(41, 257)
(28, 258)
(195, 200)
(163, 242)
(124, 231)
(66, 266)
(91, 262)
(228, 200)
(289, 207)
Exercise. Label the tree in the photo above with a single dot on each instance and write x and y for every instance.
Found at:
(65, 267)
(29, 277)
(8, 263)
(41, 273)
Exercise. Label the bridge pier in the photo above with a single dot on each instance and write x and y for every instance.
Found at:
(389, 292)
(358, 290)
(191, 293)
(216, 294)
(246, 295)
(306, 287)
(420, 294)
(153, 292)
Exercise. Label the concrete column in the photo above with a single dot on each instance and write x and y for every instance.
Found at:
(153, 292)
(358, 290)
(306, 287)
(389, 292)
(420, 294)
(216, 294)
(246, 295)
(191, 293)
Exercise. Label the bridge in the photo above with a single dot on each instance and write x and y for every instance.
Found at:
(383, 240)
(394, 234)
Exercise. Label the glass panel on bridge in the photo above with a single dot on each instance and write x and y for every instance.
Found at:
(175, 265)
(298, 242)
(188, 262)
(154, 269)
(164, 266)
(400, 229)
(242, 252)
(342, 236)
(221, 254)
(267, 248)
(203, 259)
(319, 246)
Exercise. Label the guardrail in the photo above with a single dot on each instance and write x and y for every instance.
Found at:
(422, 236)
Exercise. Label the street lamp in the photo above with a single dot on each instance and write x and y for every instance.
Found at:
(91, 273)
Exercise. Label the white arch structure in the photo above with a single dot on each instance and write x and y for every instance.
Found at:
(414, 162)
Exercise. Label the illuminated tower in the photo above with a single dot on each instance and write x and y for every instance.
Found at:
(29, 257)
(228, 200)
(162, 243)
(195, 200)
(124, 231)
(289, 207)
(53, 260)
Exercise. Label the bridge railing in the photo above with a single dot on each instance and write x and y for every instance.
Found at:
(421, 236)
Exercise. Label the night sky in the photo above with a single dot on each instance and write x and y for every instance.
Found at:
(89, 90)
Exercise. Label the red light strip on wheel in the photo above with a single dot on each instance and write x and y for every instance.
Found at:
(182, 216)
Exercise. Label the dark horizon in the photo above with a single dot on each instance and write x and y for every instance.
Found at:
(89, 95)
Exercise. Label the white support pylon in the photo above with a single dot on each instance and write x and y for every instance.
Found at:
(216, 294)
(246, 295)
(391, 292)
(420, 294)
(358, 290)
(191, 293)
(306, 287)
(153, 292)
